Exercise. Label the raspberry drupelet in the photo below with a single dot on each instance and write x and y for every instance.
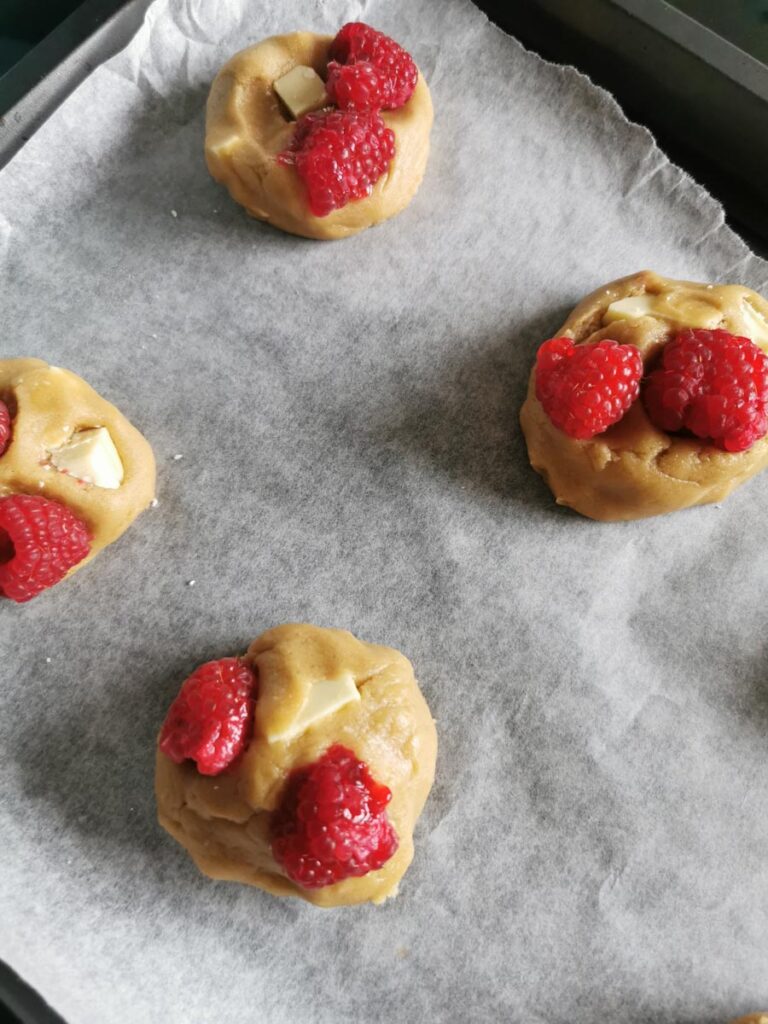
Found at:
(40, 541)
(713, 384)
(340, 154)
(332, 822)
(211, 720)
(584, 389)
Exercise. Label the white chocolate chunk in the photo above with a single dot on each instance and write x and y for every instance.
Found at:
(325, 697)
(90, 455)
(756, 323)
(630, 308)
(681, 310)
(301, 90)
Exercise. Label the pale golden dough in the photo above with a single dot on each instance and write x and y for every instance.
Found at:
(51, 404)
(752, 1018)
(223, 821)
(634, 470)
(245, 130)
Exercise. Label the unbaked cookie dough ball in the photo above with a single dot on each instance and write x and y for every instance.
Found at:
(651, 398)
(300, 768)
(74, 474)
(320, 136)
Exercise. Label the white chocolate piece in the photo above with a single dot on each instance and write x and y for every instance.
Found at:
(687, 313)
(326, 696)
(301, 90)
(629, 309)
(757, 329)
(90, 456)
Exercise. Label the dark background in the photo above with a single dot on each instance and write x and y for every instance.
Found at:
(25, 22)
(743, 22)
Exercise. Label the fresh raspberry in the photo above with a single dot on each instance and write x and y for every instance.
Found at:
(211, 720)
(356, 42)
(586, 388)
(713, 384)
(332, 822)
(340, 154)
(40, 541)
(5, 427)
(359, 86)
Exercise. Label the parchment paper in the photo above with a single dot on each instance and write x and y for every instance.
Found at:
(596, 844)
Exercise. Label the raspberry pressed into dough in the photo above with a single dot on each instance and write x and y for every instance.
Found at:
(225, 821)
(48, 406)
(246, 130)
(633, 469)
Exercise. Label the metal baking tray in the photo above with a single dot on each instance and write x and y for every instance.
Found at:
(19, 1004)
(703, 97)
(42, 79)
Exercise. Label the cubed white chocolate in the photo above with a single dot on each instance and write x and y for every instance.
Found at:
(326, 696)
(630, 308)
(91, 457)
(301, 90)
(757, 324)
(683, 311)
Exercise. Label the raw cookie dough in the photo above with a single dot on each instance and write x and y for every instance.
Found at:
(752, 1018)
(246, 129)
(48, 406)
(633, 469)
(224, 820)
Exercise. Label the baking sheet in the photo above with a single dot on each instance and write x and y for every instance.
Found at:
(594, 847)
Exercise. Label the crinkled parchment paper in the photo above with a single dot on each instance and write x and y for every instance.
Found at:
(596, 845)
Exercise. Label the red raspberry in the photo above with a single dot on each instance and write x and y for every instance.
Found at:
(40, 541)
(332, 822)
(211, 720)
(711, 383)
(584, 389)
(5, 427)
(356, 42)
(340, 154)
(357, 86)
